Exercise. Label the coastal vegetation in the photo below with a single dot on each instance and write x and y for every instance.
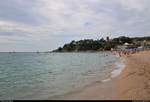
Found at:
(100, 44)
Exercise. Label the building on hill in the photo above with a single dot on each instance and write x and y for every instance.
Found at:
(126, 46)
(146, 44)
(107, 38)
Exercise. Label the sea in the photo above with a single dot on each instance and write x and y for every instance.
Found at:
(42, 76)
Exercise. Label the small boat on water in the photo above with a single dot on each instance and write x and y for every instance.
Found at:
(12, 52)
(37, 52)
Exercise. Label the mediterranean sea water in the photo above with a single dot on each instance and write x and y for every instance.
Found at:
(47, 75)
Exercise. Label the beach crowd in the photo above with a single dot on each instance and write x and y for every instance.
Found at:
(128, 51)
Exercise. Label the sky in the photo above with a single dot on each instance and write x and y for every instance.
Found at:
(43, 25)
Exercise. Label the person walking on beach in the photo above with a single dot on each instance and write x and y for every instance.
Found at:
(119, 52)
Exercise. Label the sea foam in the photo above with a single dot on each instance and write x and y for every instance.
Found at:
(120, 66)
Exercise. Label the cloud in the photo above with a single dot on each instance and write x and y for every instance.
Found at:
(20, 11)
(9, 26)
(47, 24)
(70, 16)
(136, 5)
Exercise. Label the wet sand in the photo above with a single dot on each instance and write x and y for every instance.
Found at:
(134, 81)
(96, 91)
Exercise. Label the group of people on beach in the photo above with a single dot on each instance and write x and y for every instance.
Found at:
(126, 52)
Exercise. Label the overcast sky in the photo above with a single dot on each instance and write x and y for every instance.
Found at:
(31, 25)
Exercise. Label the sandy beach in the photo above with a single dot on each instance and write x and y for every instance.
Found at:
(132, 84)
(134, 81)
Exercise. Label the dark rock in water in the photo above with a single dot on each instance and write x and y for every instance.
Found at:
(89, 71)
(105, 55)
(49, 72)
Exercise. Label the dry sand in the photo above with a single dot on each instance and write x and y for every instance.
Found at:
(134, 82)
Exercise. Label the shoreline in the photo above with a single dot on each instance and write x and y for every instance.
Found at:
(131, 82)
(99, 90)
(134, 81)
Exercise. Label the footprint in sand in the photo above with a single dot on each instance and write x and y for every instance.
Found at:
(132, 73)
(141, 72)
(147, 86)
(147, 74)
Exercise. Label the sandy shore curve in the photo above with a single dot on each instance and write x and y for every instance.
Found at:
(134, 81)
